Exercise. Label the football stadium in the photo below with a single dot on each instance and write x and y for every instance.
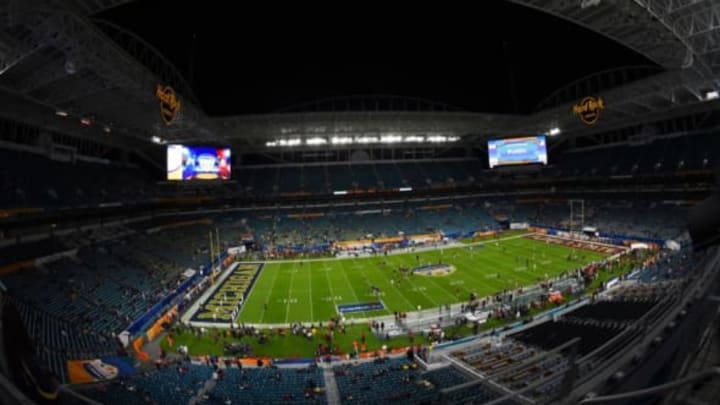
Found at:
(505, 203)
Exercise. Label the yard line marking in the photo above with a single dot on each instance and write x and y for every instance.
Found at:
(440, 287)
(447, 248)
(518, 252)
(269, 293)
(292, 278)
(332, 293)
(420, 290)
(312, 316)
(399, 291)
(351, 287)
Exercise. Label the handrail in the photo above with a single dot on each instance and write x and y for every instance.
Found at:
(494, 380)
(611, 344)
(540, 357)
(66, 389)
(10, 391)
(712, 372)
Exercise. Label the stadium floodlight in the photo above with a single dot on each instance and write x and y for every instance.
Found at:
(316, 141)
(712, 95)
(366, 139)
(341, 140)
(589, 3)
(290, 142)
(61, 113)
(554, 131)
(387, 138)
(391, 139)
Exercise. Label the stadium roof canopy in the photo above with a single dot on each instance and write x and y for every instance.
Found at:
(58, 67)
(58, 64)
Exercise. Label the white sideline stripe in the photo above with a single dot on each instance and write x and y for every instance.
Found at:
(312, 315)
(267, 298)
(292, 279)
(589, 242)
(456, 246)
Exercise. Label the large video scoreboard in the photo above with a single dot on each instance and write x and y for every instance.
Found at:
(517, 151)
(197, 163)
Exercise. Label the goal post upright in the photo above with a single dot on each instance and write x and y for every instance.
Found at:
(577, 214)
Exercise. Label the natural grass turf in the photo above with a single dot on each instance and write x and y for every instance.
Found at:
(288, 346)
(308, 291)
(292, 346)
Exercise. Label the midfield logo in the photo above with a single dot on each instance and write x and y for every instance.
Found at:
(588, 109)
(169, 103)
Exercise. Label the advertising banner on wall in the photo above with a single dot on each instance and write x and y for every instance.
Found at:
(97, 370)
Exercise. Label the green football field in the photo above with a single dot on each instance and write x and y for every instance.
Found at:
(310, 290)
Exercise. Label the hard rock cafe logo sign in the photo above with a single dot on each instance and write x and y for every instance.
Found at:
(588, 109)
(169, 103)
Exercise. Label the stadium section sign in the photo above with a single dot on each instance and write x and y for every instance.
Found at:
(588, 109)
(169, 103)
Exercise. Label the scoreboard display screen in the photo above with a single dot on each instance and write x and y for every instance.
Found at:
(186, 163)
(517, 151)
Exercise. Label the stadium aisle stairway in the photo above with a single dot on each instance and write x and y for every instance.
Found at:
(397, 381)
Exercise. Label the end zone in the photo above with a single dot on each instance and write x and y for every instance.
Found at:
(220, 303)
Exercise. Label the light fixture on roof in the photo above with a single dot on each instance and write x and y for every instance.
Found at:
(290, 142)
(589, 3)
(316, 141)
(712, 95)
(106, 129)
(387, 138)
(554, 131)
(85, 121)
(156, 139)
(61, 113)
(70, 67)
(391, 139)
(341, 140)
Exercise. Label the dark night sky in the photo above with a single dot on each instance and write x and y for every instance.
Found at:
(261, 60)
